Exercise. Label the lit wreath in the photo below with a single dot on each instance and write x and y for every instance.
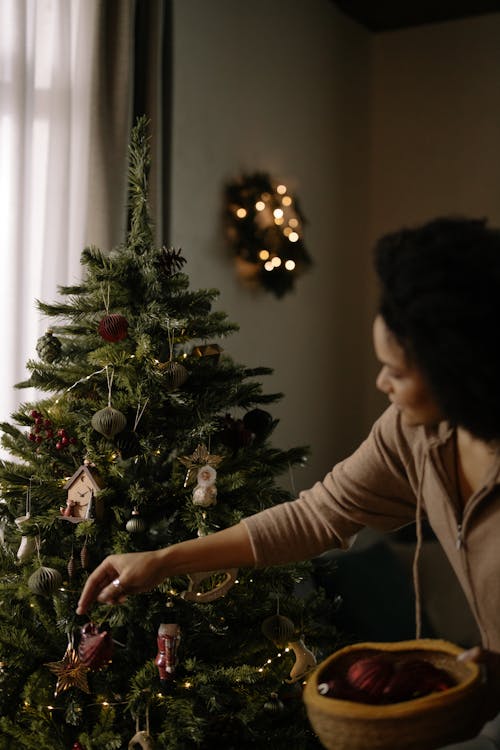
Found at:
(264, 228)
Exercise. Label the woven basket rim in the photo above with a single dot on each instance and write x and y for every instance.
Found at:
(382, 712)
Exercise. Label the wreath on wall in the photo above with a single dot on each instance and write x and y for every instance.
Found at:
(264, 227)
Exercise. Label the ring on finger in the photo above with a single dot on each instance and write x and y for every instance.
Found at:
(118, 586)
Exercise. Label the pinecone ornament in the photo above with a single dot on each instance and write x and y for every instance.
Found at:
(48, 347)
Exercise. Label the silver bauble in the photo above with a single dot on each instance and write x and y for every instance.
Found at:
(175, 374)
(278, 629)
(45, 581)
(108, 421)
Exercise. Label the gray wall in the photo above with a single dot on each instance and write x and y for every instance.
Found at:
(282, 87)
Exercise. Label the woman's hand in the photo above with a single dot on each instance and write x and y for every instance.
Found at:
(119, 575)
(135, 572)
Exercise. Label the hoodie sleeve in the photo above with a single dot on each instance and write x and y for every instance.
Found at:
(374, 487)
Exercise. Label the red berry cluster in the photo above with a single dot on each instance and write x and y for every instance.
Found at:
(43, 430)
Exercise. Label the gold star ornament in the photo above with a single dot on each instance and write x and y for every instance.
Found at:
(70, 672)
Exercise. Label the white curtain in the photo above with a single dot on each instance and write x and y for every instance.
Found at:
(68, 90)
(46, 69)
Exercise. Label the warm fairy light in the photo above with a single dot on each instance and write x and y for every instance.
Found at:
(286, 200)
(276, 261)
(281, 189)
(287, 650)
(241, 213)
(287, 231)
(260, 205)
(188, 685)
(289, 265)
(51, 708)
(264, 254)
(293, 236)
(293, 222)
(269, 266)
(269, 661)
(279, 220)
(261, 669)
(237, 581)
(105, 704)
(278, 213)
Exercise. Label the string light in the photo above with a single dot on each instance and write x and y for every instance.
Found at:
(261, 216)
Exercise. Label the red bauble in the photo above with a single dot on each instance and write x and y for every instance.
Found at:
(95, 647)
(370, 674)
(414, 678)
(77, 746)
(113, 327)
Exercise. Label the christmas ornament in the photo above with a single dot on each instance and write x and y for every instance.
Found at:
(278, 629)
(143, 739)
(45, 581)
(77, 746)
(136, 524)
(371, 674)
(170, 261)
(259, 422)
(414, 678)
(82, 490)
(26, 549)
(96, 647)
(108, 421)
(205, 492)
(208, 350)
(71, 567)
(168, 639)
(48, 347)
(273, 705)
(305, 661)
(113, 327)
(174, 373)
(234, 434)
(218, 582)
(27, 546)
(196, 460)
(70, 672)
(84, 556)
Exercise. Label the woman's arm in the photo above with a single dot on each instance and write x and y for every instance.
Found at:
(132, 573)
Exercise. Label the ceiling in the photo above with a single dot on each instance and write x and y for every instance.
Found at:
(386, 15)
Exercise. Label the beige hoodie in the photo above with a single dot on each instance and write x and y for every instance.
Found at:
(396, 469)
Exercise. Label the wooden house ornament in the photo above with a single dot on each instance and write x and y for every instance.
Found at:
(82, 499)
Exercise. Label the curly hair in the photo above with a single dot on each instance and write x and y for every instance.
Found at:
(440, 296)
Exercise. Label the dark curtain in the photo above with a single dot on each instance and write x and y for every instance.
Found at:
(132, 77)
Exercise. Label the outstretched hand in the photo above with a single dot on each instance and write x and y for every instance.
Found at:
(119, 575)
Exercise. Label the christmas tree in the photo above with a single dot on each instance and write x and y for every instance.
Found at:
(149, 434)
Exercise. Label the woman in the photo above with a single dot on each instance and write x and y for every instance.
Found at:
(434, 453)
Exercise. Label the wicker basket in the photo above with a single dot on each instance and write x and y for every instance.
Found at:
(425, 723)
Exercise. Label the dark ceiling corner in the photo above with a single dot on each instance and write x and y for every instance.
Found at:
(387, 15)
